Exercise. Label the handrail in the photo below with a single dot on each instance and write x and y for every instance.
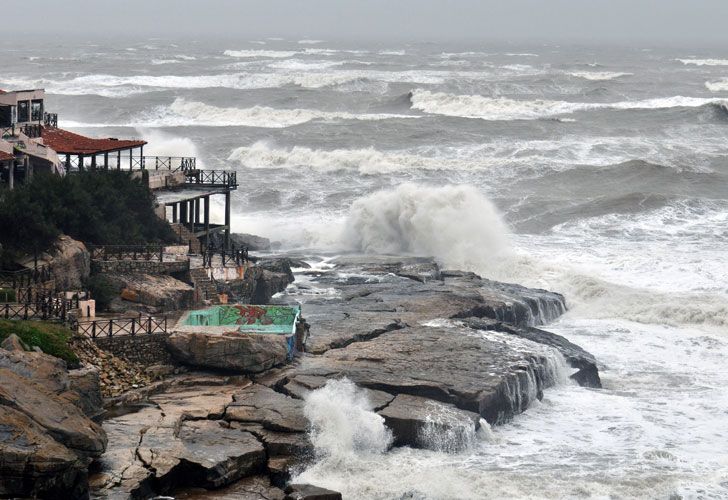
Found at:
(110, 327)
(25, 277)
(50, 120)
(227, 178)
(116, 162)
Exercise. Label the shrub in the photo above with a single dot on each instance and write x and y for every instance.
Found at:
(50, 337)
(109, 208)
(102, 291)
(7, 295)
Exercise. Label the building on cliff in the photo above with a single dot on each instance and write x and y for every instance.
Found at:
(32, 142)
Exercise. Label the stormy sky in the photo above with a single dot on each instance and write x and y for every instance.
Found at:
(671, 22)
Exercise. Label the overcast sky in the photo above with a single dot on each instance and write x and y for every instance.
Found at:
(672, 22)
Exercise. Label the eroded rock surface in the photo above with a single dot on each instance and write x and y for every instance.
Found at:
(246, 353)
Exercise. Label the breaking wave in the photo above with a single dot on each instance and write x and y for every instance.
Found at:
(598, 75)
(197, 113)
(704, 62)
(463, 230)
(501, 108)
(719, 86)
(260, 53)
(365, 161)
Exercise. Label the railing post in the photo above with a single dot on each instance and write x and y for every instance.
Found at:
(133, 327)
(111, 327)
(149, 325)
(93, 329)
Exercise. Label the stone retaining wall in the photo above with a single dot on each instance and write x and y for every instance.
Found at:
(140, 266)
(148, 349)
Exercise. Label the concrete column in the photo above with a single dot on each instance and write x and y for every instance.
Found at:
(183, 212)
(11, 174)
(191, 215)
(207, 220)
(174, 212)
(106, 161)
(227, 218)
(68, 162)
(93, 162)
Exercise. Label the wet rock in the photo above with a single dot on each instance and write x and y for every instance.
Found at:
(258, 286)
(69, 262)
(473, 372)
(249, 488)
(228, 351)
(310, 492)
(423, 423)
(273, 410)
(300, 386)
(587, 373)
(201, 453)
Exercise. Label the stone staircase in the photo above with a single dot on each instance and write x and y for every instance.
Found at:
(204, 287)
(186, 237)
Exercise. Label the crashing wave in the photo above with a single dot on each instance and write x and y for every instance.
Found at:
(502, 108)
(704, 62)
(598, 75)
(275, 54)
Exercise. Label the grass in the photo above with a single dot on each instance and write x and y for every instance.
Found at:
(53, 339)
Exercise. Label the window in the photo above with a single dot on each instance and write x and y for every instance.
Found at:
(7, 116)
(36, 110)
(23, 111)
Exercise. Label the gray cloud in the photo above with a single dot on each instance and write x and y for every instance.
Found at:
(664, 21)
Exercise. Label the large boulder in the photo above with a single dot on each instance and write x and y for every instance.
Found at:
(46, 370)
(274, 411)
(33, 464)
(86, 382)
(424, 423)
(163, 293)
(310, 492)
(63, 422)
(257, 286)
(69, 261)
(228, 351)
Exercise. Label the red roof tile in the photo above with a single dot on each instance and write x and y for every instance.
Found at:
(5, 156)
(65, 142)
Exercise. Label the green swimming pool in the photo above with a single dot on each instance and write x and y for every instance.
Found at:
(279, 320)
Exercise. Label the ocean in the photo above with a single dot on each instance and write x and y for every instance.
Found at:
(597, 172)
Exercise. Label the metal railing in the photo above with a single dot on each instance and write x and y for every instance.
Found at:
(127, 252)
(238, 256)
(50, 120)
(120, 162)
(25, 277)
(223, 178)
(49, 308)
(120, 326)
(32, 130)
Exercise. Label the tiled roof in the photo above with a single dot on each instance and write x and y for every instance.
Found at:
(65, 142)
(5, 156)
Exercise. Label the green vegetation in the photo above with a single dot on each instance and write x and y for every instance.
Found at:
(7, 295)
(50, 337)
(102, 291)
(109, 208)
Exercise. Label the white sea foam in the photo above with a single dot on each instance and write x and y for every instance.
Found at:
(704, 62)
(599, 75)
(501, 108)
(260, 53)
(718, 86)
(310, 42)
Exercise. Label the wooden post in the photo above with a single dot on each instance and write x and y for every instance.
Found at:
(191, 215)
(68, 162)
(197, 211)
(118, 160)
(93, 162)
(106, 161)
(183, 212)
(174, 212)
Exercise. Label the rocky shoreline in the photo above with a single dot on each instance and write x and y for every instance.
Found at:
(420, 341)
(437, 354)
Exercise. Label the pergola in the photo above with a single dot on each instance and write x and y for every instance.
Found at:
(81, 147)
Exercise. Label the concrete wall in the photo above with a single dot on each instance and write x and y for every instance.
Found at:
(142, 348)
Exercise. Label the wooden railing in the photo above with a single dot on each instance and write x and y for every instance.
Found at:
(127, 252)
(224, 178)
(32, 130)
(238, 256)
(120, 326)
